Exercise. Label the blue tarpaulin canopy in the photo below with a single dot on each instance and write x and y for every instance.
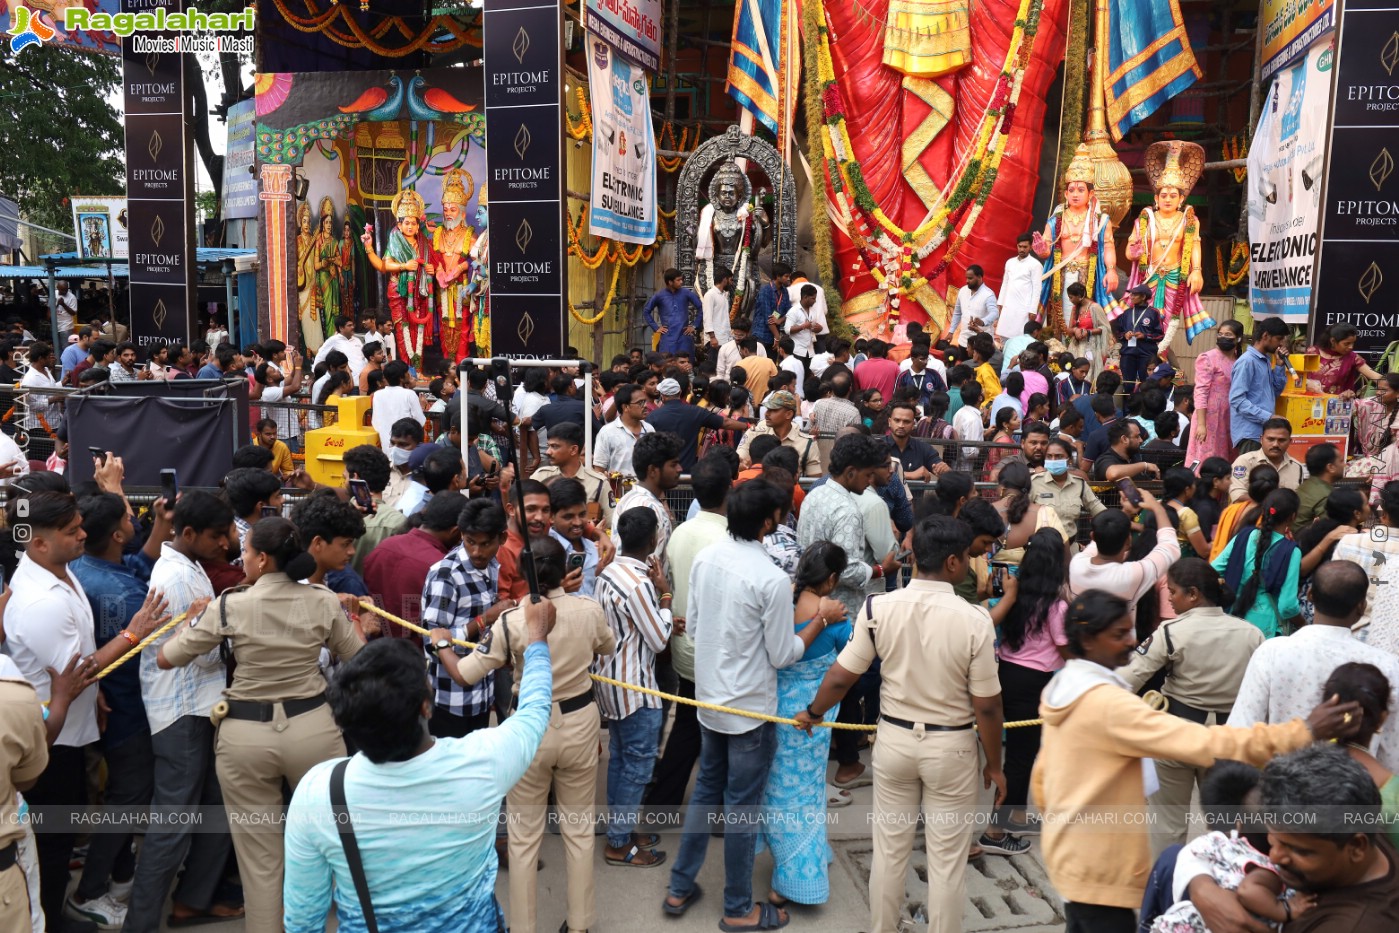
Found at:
(204, 254)
(62, 272)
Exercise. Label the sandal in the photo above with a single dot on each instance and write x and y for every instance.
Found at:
(835, 797)
(864, 779)
(652, 859)
(645, 840)
(769, 918)
(678, 910)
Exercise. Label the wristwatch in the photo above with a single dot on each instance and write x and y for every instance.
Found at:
(440, 645)
(813, 714)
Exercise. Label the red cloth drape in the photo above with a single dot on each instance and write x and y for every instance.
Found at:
(880, 113)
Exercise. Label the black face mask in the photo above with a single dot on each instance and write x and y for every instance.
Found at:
(1226, 344)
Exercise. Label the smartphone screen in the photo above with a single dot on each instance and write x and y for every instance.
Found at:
(360, 490)
(99, 453)
(270, 511)
(169, 487)
(1129, 491)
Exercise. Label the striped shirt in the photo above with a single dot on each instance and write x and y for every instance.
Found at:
(192, 690)
(639, 496)
(455, 593)
(642, 629)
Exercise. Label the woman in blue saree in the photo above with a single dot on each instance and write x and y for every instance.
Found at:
(795, 801)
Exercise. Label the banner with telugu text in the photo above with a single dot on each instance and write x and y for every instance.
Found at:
(1285, 164)
(623, 203)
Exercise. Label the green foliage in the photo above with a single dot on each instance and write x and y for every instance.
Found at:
(59, 137)
(206, 204)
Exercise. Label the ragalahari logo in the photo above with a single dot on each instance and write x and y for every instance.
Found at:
(27, 28)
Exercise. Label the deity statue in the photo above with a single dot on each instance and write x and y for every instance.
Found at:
(1076, 246)
(347, 270)
(306, 309)
(1164, 247)
(478, 283)
(452, 241)
(730, 235)
(326, 261)
(410, 264)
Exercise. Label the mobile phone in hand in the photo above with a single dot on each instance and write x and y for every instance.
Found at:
(1130, 492)
(360, 490)
(576, 560)
(270, 511)
(169, 487)
(98, 453)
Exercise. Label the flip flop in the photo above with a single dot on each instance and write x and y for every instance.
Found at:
(657, 858)
(769, 918)
(864, 779)
(678, 910)
(646, 840)
(836, 798)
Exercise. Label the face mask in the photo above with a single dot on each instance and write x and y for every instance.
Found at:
(398, 456)
(1227, 344)
(1057, 467)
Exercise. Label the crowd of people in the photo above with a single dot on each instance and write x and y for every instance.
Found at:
(918, 548)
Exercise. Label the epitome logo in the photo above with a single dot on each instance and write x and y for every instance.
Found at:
(27, 28)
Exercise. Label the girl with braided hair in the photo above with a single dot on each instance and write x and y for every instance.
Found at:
(1263, 565)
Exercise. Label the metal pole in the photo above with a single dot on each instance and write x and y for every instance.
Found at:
(53, 304)
(587, 417)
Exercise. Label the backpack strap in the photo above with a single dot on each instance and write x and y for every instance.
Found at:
(806, 455)
(346, 830)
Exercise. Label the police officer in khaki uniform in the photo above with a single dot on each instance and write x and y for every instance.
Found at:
(24, 754)
(566, 459)
(779, 414)
(940, 693)
(1277, 435)
(1205, 652)
(274, 724)
(1067, 493)
(567, 759)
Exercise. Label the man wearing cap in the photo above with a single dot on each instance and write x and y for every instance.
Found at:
(779, 410)
(1139, 330)
(685, 420)
(1163, 378)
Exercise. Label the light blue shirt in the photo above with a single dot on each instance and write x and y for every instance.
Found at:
(194, 689)
(1253, 391)
(414, 497)
(590, 559)
(426, 827)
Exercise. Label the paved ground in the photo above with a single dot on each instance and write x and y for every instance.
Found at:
(1009, 894)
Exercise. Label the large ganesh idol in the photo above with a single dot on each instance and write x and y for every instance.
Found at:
(916, 81)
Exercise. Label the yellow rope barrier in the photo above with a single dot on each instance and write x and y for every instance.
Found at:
(714, 707)
(142, 645)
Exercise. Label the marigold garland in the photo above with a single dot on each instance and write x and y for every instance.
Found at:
(891, 253)
(1237, 270)
(1236, 147)
(460, 34)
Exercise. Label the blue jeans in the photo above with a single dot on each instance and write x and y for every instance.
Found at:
(632, 744)
(733, 771)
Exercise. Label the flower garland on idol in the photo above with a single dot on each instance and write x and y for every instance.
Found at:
(893, 255)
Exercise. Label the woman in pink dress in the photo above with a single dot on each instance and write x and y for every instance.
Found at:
(1209, 432)
(1341, 366)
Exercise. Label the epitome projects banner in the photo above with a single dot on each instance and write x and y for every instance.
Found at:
(624, 165)
(1284, 193)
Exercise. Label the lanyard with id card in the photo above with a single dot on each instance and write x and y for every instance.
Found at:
(1136, 328)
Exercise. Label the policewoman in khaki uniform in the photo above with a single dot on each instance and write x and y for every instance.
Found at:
(274, 724)
(567, 759)
(1205, 652)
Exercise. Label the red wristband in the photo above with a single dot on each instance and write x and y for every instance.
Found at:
(134, 641)
(877, 572)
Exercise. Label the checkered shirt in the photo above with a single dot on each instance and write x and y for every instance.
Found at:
(455, 593)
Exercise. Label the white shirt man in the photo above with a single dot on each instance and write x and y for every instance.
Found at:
(716, 313)
(1020, 291)
(975, 302)
(967, 425)
(613, 446)
(37, 402)
(796, 328)
(11, 454)
(390, 404)
(66, 309)
(793, 365)
(817, 312)
(47, 621)
(729, 357)
(350, 346)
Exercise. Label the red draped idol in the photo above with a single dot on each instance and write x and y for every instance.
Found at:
(931, 124)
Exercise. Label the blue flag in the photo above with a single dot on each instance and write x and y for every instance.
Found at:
(755, 59)
(1149, 60)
